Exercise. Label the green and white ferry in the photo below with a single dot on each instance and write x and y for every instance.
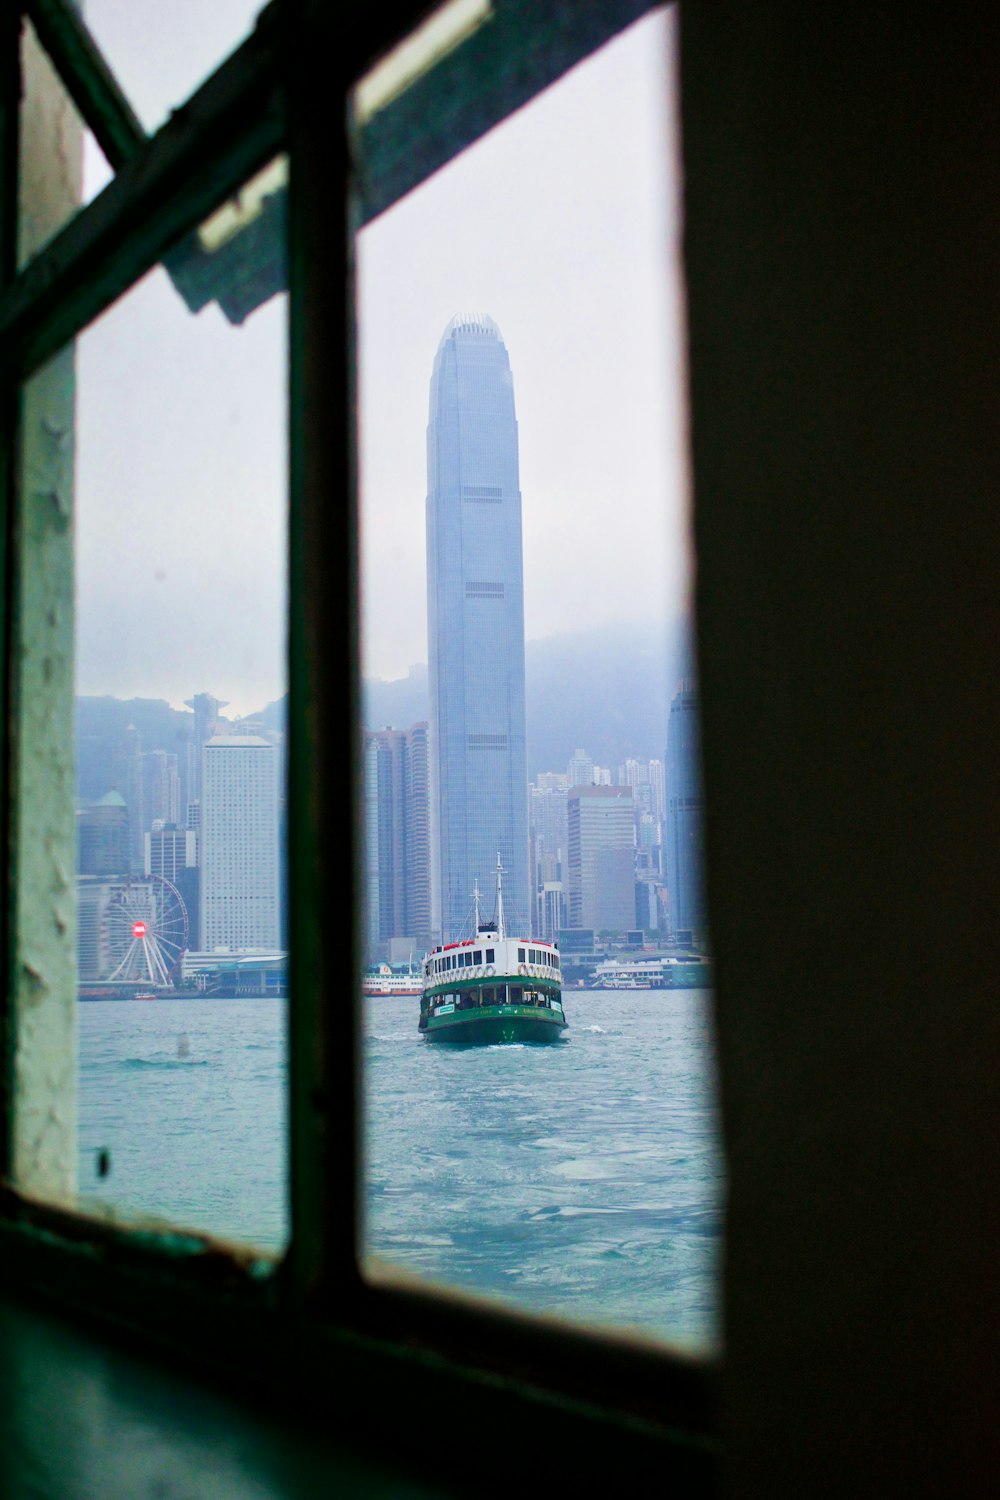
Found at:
(492, 988)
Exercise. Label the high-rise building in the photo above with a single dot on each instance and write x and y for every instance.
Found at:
(385, 835)
(601, 858)
(418, 836)
(161, 788)
(685, 810)
(207, 712)
(475, 628)
(102, 837)
(581, 769)
(397, 865)
(547, 825)
(172, 853)
(550, 910)
(130, 782)
(239, 845)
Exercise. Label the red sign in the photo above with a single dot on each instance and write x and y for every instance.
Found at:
(138, 929)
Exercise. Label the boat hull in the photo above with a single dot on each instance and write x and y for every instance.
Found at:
(488, 1026)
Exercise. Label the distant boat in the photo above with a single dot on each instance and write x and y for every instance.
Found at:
(659, 974)
(382, 979)
(492, 988)
(627, 982)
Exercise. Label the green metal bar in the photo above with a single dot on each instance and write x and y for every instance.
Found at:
(10, 98)
(324, 745)
(41, 958)
(89, 81)
(524, 47)
(228, 130)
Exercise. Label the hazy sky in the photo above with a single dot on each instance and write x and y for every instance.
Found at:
(555, 226)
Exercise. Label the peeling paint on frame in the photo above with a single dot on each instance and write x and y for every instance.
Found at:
(42, 791)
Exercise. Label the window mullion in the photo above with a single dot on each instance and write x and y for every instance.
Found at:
(324, 741)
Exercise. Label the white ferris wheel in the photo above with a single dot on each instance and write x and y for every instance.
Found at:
(146, 931)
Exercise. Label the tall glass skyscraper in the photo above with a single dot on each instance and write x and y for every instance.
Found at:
(685, 810)
(475, 628)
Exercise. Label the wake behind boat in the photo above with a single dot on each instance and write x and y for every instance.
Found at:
(492, 988)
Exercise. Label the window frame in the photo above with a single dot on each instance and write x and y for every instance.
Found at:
(205, 1299)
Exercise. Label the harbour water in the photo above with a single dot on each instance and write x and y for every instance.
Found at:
(584, 1178)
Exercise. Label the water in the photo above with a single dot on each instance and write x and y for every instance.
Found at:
(188, 1098)
(583, 1178)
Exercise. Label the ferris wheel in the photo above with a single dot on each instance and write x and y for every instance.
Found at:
(146, 931)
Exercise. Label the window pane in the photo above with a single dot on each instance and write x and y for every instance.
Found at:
(179, 504)
(524, 493)
(161, 53)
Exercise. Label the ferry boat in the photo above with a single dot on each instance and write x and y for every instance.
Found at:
(381, 979)
(492, 988)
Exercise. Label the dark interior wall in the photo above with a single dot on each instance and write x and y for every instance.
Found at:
(841, 167)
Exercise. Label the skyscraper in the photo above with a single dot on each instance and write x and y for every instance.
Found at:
(685, 880)
(418, 859)
(172, 852)
(601, 857)
(397, 868)
(475, 627)
(239, 848)
(102, 837)
(385, 835)
(207, 710)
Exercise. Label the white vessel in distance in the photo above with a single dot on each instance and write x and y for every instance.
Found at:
(383, 979)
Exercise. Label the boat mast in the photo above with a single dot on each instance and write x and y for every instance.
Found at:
(475, 905)
(500, 927)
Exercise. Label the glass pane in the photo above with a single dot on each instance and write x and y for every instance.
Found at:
(61, 165)
(525, 493)
(180, 512)
(161, 53)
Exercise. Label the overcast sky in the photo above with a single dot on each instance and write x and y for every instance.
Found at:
(562, 225)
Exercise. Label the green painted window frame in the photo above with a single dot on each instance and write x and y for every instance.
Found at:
(315, 1312)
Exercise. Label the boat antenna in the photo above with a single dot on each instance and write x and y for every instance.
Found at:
(475, 903)
(500, 927)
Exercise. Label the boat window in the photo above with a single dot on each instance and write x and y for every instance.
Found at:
(481, 294)
(324, 1207)
(179, 862)
(490, 955)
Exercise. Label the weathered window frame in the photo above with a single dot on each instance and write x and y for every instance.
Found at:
(211, 1301)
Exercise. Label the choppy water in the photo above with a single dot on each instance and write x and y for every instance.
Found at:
(583, 1178)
